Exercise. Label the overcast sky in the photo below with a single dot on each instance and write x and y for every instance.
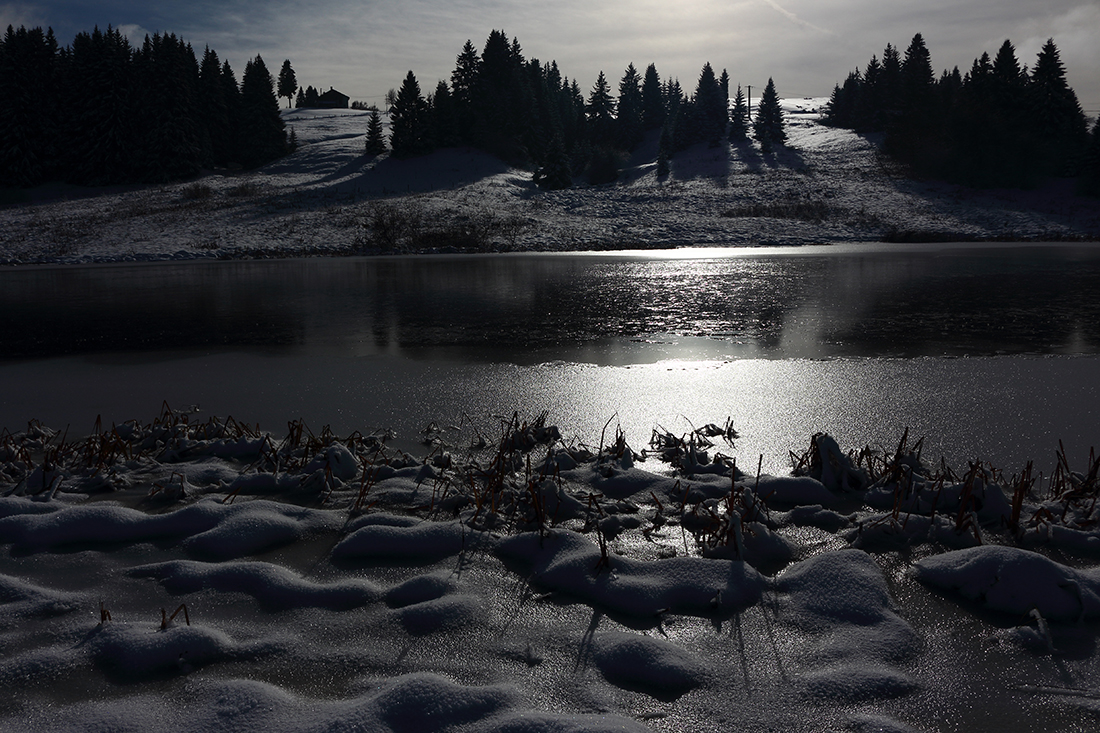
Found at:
(364, 47)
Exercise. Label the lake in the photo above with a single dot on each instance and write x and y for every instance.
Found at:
(990, 351)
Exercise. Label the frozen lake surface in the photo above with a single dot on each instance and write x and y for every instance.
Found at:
(988, 350)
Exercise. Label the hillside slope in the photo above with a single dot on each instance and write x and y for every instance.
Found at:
(827, 185)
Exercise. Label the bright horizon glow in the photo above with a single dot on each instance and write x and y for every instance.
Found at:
(365, 47)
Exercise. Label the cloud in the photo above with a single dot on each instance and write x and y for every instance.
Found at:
(796, 20)
(135, 33)
(18, 14)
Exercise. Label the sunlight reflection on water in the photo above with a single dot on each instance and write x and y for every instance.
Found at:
(1001, 409)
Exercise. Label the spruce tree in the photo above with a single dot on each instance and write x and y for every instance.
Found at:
(600, 110)
(101, 135)
(711, 111)
(653, 102)
(464, 90)
(629, 119)
(288, 82)
(1056, 114)
(29, 106)
(739, 118)
(376, 141)
(443, 118)
(231, 95)
(408, 120)
(263, 134)
(554, 174)
(768, 125)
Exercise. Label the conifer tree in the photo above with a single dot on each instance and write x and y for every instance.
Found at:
(288, 82)
(168, 139)
(101, 131)
(263, 134)
(711, 108)
(408, 120)
(443, 118)
(300, 100)
(1057, 116)
(768, 125)
(554, 174)
(653, 102)
(231, 94)
(213, 109)
(600, 111)
(376, 141)
(739, 118)
(629, 119)
(29, 106)
(464, 89)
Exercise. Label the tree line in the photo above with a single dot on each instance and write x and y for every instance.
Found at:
(102, 111)
(999, 124)
(528, 113)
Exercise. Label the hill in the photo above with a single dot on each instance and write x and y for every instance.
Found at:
(327, 198)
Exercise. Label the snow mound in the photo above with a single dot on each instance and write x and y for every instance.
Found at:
(441, 614)
(645, 664)
(419, 589)
(255, 527)
(1012, 580)
(568, 562)
(794, 491)
(834, 588)
(20, 599)
(856, 683)
(215, 529)
(273, 586)
(132, 652)
(419, 542)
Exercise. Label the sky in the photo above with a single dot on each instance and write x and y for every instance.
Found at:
(364, 47)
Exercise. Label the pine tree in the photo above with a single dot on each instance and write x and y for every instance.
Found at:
(711, 108)
(464, 89)
(213, 109)
(443, 118)
(600, 111)
(554, 174)
(169, 141)
(376, 141)
(629, 119)
(653, 102)
(100, 126)
(408, 120)
(263, 134)
(739, 118)
(29, 75)
(231, 94)
(1056, 114)
(288, 82)
(768, 125)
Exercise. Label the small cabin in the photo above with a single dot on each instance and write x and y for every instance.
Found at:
(333, 99)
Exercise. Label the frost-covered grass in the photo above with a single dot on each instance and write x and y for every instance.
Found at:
(827, 185)
(190, 574)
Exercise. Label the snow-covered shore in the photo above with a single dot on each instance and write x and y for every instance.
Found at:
(827, 185)
(190, 574)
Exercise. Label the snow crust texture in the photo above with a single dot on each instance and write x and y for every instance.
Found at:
(535, 585)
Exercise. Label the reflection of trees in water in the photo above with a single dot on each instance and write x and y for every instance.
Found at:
(143, 308)
(879, 303)
(1022, 301)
